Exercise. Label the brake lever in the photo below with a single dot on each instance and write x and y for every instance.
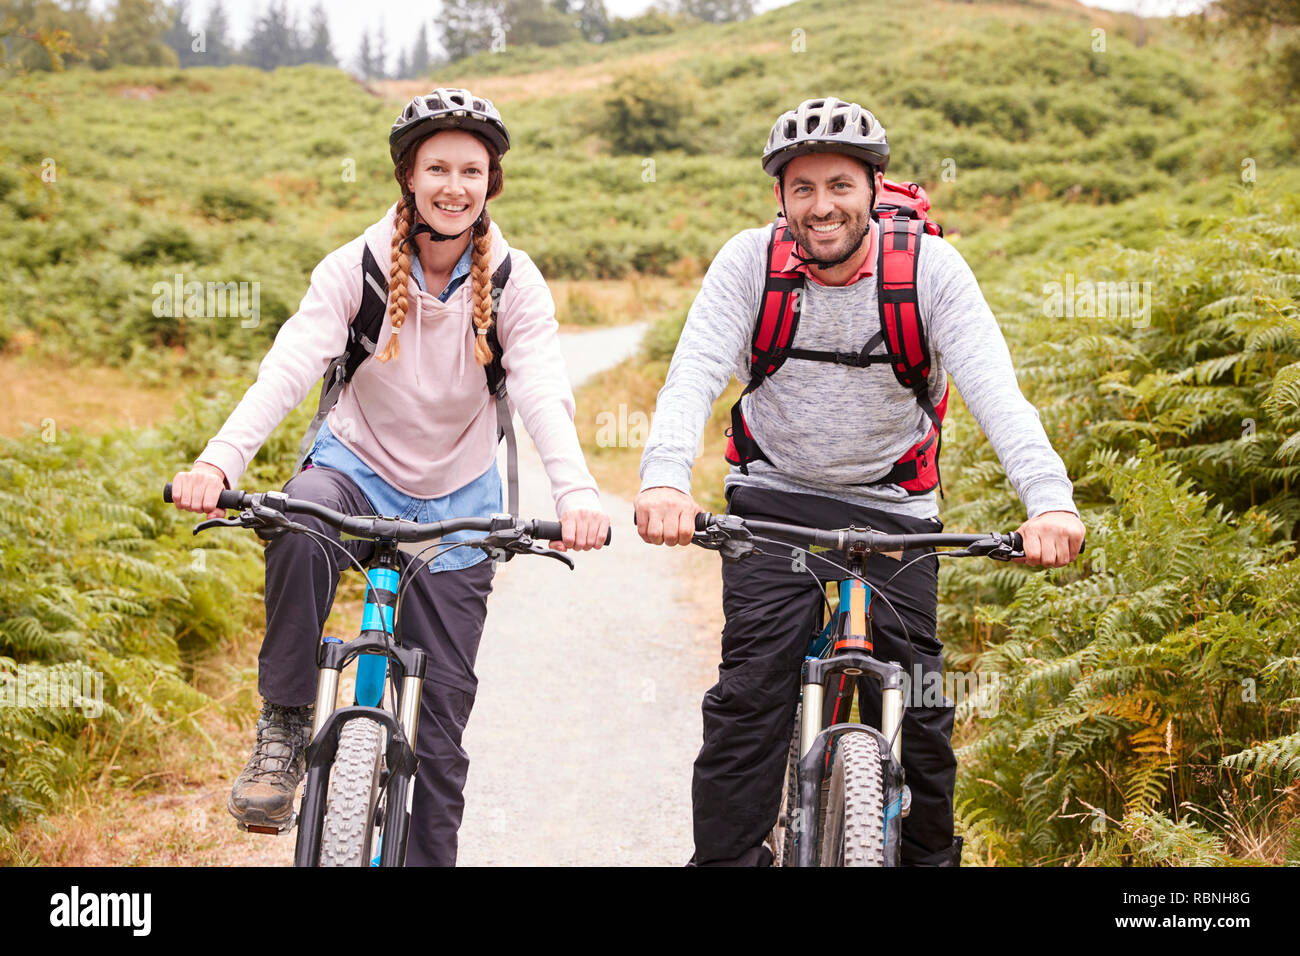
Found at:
(504, 543)
(728, 536)
(258, 517)
(999, 547)
(215, 522)
(548, 553)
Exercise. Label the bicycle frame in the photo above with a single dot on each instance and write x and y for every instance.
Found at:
(375, 650)
(851, 662)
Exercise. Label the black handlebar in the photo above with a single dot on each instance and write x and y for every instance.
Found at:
(730, 533)
(375, 527)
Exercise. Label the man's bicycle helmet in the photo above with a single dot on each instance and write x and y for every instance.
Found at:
(448, 109)
(826, 125)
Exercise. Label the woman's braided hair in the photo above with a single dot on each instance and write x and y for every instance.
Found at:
(399, 273)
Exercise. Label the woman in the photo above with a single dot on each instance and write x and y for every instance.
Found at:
(413, 434)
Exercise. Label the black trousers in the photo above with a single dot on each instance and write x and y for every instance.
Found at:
(443, 614)
(749, 713)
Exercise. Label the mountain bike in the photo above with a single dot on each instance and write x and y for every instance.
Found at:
(361, 763)
(844, 797)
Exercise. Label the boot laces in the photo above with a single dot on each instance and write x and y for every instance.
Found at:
(282, 736)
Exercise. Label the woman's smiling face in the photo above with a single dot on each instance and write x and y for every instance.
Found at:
(450, 180)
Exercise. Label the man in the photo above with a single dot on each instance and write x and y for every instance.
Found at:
(817, 441)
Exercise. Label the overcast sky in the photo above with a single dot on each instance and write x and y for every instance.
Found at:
(400, 18)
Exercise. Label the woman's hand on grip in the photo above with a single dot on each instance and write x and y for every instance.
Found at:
(198, 489)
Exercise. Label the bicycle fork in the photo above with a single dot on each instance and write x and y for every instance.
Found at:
(375, 650)
(850, 663)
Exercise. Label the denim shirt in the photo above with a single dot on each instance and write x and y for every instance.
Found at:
(458, 273)
(480, 498)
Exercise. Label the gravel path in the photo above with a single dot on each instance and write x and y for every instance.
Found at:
(587, 718)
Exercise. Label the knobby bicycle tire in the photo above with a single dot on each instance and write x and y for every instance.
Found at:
(347, 837)
(854, 830)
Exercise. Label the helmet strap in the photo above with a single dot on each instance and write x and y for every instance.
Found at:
(422, 228)
(828, 263)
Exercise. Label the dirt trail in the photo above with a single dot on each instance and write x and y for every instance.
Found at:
(587, 718)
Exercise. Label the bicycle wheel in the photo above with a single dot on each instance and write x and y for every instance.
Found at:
(347, 838)
(854, 831)
(781, 839)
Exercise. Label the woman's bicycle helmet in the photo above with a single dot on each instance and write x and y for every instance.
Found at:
(448, 109)
(826, 125)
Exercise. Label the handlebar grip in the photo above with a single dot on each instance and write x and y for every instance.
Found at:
(547, 530)
(552, 531)
(702, 520)
(227, 499)
(1017, 541)
(230, 499)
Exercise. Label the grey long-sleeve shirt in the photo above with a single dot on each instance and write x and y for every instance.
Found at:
(827, 427)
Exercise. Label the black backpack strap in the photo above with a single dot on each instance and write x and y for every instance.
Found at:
(496, 375)
(496, 380)
(363, 333)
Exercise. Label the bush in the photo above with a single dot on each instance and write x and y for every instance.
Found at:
(231, 203)
(646, 112)
(661, 338)
(1083, 115)
(170, 245)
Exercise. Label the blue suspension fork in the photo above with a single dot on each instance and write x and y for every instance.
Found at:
(381, 600)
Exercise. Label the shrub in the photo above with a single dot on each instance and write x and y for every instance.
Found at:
(646, 112)
(232, 202)
(173, 244)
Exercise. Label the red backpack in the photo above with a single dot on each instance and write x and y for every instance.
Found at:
(903, 216)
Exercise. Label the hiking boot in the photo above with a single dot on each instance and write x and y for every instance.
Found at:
(262, 798)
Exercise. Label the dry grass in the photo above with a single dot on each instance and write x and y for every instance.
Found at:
(582, 303)
(540, 85)
(561, 81)
(38, 392)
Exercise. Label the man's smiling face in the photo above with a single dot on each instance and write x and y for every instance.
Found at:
(827, 203)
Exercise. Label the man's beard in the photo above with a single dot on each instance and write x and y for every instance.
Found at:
(854, 231)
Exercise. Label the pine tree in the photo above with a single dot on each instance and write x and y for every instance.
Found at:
(717, 11)
(419, 61)
(274, 41)
(318, 48)
(179, 35)
(365, 62)
(216, 32)
(380, 48)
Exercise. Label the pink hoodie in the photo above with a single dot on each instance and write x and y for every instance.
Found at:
(424, 421)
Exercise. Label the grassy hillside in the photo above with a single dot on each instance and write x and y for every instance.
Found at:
(234, 175)
(1150, 690)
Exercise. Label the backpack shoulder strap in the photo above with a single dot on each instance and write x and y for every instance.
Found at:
(774, 328)
(496, 380)
(900, 313)
(363, 333)
(778, 309)
(496, 375)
